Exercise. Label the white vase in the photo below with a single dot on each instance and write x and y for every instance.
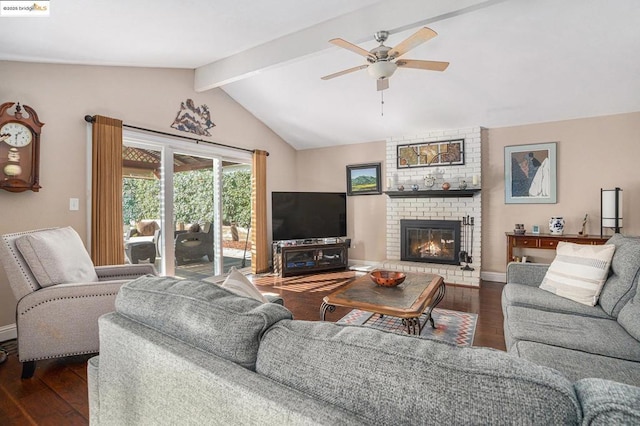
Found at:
(556, 226)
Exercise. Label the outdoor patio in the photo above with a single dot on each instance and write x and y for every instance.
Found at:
(233, 254)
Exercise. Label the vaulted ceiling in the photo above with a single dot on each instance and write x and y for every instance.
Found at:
(512, 61)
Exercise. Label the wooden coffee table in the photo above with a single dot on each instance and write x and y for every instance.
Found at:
(418, 294)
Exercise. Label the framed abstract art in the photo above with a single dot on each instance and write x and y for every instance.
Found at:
(530, 174)
(431, 154)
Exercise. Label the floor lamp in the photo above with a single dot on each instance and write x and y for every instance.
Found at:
(610, 209)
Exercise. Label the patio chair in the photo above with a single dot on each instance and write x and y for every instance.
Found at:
(60, 293)
(143, 242)
(194, 245)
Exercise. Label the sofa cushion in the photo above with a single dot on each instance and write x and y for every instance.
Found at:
(57, 256)
(629, 316)
(201, 314)
(536, 298)
(343, 365)
(146, 228)
(579, 271)
(593, 335)
(623, 279)
(147, 378)
(576, 365)
(608, 403)
(240, 285)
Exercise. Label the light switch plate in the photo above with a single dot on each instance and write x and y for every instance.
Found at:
(74, 204)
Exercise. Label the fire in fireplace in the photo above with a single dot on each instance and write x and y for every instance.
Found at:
(430, 241)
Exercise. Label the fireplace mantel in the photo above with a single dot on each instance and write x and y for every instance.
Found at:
(451, 193)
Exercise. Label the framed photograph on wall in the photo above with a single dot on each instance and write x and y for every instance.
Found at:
(364, 179)
(530, 174)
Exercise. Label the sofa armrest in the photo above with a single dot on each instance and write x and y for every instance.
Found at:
(124, 272)
(39, 299)
(526, 273)
(605, 402)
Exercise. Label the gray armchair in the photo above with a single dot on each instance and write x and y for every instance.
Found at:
(60, 293)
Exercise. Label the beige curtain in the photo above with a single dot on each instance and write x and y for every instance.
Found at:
(259, 242)
(107, 247)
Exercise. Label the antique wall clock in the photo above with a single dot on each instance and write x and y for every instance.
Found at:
(19, 148)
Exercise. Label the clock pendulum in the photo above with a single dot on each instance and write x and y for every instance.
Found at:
(13, 168)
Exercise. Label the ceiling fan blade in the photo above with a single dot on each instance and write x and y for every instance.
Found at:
(382, 84)
(352, 47)
(343, 72)
(423, 35)
(422, 65)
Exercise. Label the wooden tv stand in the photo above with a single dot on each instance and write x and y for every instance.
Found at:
(304, 258)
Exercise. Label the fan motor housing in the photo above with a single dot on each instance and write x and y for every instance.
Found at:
(381, 52)
(381, 36)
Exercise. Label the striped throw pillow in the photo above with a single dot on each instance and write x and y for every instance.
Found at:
(579, 271)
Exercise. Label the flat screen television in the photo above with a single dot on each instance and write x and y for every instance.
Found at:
(308, 215)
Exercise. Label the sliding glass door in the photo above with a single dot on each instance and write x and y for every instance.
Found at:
(141, 204)
(195, 185)
(197, 196)
(236, 215)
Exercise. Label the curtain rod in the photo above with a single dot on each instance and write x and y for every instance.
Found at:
(91, 119)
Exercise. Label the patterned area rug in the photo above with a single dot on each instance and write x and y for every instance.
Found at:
(451, 326)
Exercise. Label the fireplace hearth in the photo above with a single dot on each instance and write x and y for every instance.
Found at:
(430, 241)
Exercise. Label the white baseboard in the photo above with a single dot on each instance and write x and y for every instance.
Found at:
(500, 277)
(8, 332)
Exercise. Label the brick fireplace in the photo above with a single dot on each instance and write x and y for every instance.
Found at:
(433, 207)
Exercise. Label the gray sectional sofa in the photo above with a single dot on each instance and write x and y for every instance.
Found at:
(187, 352)
(580, 341)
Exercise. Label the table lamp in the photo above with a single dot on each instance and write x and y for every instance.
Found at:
(611, 209)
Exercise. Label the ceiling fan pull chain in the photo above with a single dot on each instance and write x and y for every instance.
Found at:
(382, 103)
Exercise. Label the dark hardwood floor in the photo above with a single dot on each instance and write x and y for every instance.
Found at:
(57, 394)
(303, 296)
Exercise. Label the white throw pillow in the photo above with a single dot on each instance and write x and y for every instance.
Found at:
(579, 271)
(57, 256)
(240, 285)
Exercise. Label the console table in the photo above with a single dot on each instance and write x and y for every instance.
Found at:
(547, 241)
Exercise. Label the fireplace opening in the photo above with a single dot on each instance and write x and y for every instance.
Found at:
(430, 241)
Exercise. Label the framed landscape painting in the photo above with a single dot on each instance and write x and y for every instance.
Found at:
(364, 179)
(530, 174)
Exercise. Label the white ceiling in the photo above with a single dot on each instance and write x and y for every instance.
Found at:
(512, 61)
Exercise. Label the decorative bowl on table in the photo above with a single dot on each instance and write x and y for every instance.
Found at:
(387, 278)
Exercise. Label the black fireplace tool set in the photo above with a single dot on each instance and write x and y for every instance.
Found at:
(466, 254)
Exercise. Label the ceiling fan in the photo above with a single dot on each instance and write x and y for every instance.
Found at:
(383, 60)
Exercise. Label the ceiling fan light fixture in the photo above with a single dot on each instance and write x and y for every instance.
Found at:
(382, 69)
